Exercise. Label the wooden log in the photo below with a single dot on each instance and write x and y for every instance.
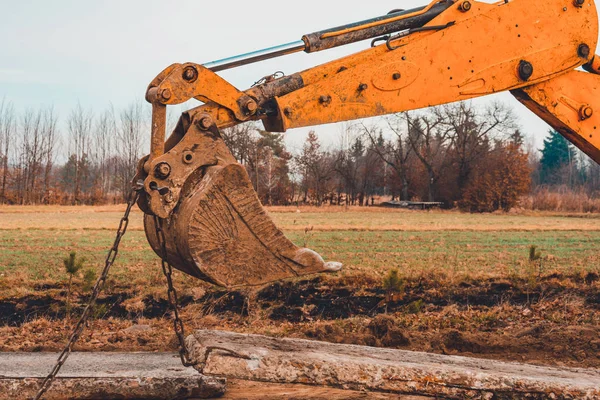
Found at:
(294, 361)
(248, 390)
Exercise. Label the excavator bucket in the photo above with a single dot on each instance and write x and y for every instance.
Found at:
(220, 233)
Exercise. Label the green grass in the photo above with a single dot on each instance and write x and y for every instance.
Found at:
(36, 255)
(473, 252)
(39, 254)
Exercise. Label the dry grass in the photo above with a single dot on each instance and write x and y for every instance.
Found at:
(41, 209)
(563, 200)
(378, 219)
(447, 259)
(321, 219)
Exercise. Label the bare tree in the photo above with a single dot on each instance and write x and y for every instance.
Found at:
(396, 152)
(471, 131)
(79, 125)
(105, 133)
(130, 143)
(347, 165)
(7, 132)
(241, 140)
(428, 138)
(317, 168)
(31, 156)
(50, 134)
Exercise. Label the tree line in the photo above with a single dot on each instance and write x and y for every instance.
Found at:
(92, 162)
(460, 155)
(457, 154)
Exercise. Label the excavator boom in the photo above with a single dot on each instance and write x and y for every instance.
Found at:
(215, 227)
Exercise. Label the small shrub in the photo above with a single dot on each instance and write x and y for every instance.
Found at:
(535, 268)
(72, 266)
(89, 279)
(393, 285)
(416, 307)
(534, 253)
(99, 311)
(392, 282)
(308, 235)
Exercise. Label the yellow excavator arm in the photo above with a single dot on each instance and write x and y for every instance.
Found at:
(200, 199)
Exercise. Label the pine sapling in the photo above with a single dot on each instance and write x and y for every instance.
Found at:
(72, 266)
(534, 253)
(535, 258)
(393, 285)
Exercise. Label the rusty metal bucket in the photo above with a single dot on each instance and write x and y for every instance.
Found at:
(220, 233)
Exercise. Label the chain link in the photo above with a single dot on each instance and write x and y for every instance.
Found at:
(186, 359)
(172, 296)
(110, 259)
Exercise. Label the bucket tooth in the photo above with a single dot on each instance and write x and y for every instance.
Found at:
(220, 233)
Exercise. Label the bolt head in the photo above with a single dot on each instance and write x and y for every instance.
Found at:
(251, 106)
(162, 171)
(288, 111)
(579, 3)
(363, 86)
(396, 76)
(324, 99)
(190, 74)
(205, 122)
(586, 112)
(166, 94)
(525, 70)
(583, 51)
(465, 6)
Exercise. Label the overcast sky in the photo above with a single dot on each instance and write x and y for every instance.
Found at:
(62, 52)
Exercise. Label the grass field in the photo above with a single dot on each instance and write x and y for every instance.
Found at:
(451, 263)
(34, 240)
(321, 219)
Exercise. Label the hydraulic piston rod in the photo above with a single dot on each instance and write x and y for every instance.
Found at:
(256, 56)
(340, 36)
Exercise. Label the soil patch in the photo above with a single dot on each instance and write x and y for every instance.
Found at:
(552, 320)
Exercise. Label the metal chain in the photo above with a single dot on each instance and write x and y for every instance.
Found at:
(110, 259)
(172, 295)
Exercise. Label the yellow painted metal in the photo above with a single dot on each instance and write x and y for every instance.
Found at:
(479, 55)
(570, 104)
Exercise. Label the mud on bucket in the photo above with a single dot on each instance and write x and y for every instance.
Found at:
(220, 233)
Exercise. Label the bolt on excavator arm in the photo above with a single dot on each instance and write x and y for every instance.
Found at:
(216, 228)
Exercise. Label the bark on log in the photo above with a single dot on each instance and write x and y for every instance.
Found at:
(294, 361)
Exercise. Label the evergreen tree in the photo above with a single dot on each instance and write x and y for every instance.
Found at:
(558, 164)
